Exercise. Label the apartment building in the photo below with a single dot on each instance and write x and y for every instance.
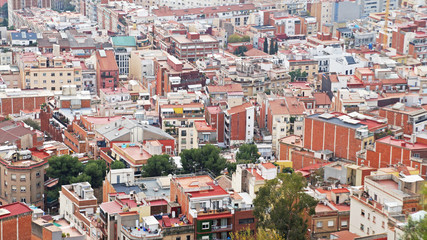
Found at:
(178, 120)
(409, 119)
(15, 219)
(21, 4)
(383, 204)
(123, 45)
(373, 6)
(77, 204)
(193, 46)
(107, 71)
(344, 135)
(390, 151)
(249, 178)
(142, 67)
(49, 71)
(173, 74)
(204, 203)
(284, 118)
(215, 119)
(239, 124)
(323, 12)
(22, 177)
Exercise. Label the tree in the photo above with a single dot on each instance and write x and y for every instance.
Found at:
(415, 229)
(284, 196)
(248, 152)
(81, 178)
(240, 50)
(297, 74)
(234, 38)
(117, 165)
(265, 234)
(265, 45)
(205, 158)
(96, 170)
(271, 46)
(158, 165)
(64, 168)
(30, 122)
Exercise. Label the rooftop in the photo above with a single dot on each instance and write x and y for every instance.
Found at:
(124, 41)
(14, 209)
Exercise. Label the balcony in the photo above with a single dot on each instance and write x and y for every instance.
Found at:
(222, 228)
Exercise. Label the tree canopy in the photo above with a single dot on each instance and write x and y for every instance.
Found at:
(64, 168)
(117, 165)
(158, 165)
(204, 158)
(30, 122)
(240, 51)
(297, 74)
(284, 196)
(265, 45)
(248, 152)
(234, 38)
(415, 230)
(261, 233)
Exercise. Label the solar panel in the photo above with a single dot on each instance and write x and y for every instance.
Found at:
(350, 60)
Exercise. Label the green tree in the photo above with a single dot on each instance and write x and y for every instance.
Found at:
(30, 122)
(297, 74)
(284, 196)
(240, 50)
(96, 170)
(117, 165)
(158, 165)
(415, 230)
(81, 178)
(272, 46)
(265, 45)
(246, 39)
(234, 38)
(205, 158)
(248, 152)
(64, 168)
(261, 233)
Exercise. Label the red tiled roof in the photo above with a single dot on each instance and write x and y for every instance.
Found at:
(111, 207)
(340, 190)
(15, 209)
(214, 216)
(235, 87)
(216, 190)
(322, 99)
(268, 165)
(108, 62)
(345, 235)
(399, 142)
(255, 53)
(240, 108)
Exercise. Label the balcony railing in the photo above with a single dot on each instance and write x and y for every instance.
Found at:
(222, 228)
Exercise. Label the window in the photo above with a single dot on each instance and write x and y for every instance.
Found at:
(5, 172)
(14, 199)
(68, 81)
(319, 224)
(52, 88)
(39, 185)
(362, 227)
(52, 74)
(23, 178)
(35, 74)
(383, 225)
(68, 74)
(13, 188)
(362, 212)
(369, 216)
(23, 200)
(60, 74)
(23, 189)
(178, 238)
(373, 219)
(330, 223)
(188, 237)
(205, 225)
(375, 195)
(38, 174)
(44, 74)
(246, 220)
(13, 177)
(44, 81)
(344, 223)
